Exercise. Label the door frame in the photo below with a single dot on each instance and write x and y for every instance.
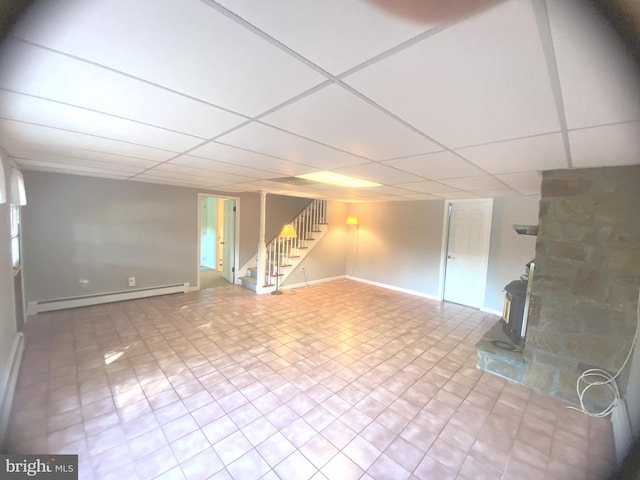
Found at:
(445, 245)
(236, 253)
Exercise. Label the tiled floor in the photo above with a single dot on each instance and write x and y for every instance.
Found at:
(340, 381)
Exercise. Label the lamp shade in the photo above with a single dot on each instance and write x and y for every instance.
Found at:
(352, 220)
(288, 231)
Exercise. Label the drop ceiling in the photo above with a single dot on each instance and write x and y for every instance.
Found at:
(237, 95)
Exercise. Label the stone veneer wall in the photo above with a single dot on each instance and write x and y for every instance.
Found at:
(587, 276)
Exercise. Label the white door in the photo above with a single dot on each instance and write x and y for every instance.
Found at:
(229, 241)
(208, 232)
(467, 252)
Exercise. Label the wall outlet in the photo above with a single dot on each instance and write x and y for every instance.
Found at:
(132, 281)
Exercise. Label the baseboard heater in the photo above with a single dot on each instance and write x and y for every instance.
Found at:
(8, 385)
(34, 308)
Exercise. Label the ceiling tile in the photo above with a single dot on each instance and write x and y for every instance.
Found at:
(43, 158)
(20, 135)
(436, 166)
(83, 156)
(203, 55)
(72, 169)
(210, 175)
(85, 84)
(606, 146)
(422, 196)
(272, 141)
(456, 195)
(337, 117)
(15, 106)
(214, 165)
(376, 172)
(544, 152)
(425, 187)
(484, 182)
(507, 192)
(526, 183)
(599, 77)
(478, 81)
(247, 158)
(334, 34)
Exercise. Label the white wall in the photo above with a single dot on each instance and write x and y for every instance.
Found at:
(8, 331)
(399, 244)
(509, 252)
(86, 235)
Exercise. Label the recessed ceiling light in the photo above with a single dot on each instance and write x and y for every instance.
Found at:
(337, 179)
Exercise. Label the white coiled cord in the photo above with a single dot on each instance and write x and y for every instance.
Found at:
(596, 377)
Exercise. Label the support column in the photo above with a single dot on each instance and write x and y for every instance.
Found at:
(262, 246)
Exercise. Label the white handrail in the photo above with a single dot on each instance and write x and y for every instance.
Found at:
(279, 251)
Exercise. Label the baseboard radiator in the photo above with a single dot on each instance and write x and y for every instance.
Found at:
(8, 385)
(34, 308)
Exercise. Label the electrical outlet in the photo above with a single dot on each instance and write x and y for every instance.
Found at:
(132, 281)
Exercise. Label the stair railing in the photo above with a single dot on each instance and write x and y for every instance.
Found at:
(280, 251)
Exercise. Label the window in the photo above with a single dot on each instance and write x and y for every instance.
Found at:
(15, 235)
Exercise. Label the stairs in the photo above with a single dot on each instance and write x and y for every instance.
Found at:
(282, 255)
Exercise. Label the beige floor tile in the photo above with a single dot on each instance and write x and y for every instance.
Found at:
(341, 380)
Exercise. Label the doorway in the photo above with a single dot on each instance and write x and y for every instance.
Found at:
(467, 251)
(217, 241)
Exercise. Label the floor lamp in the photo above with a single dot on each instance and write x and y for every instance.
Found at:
(354, 221)
(288, 232)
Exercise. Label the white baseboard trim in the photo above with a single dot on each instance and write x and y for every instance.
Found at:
(34, 308)
(312, 282)
(397, 289)
(8, 385)
(491, 310)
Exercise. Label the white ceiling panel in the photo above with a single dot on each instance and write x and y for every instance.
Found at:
(425, 187)
(71, 169)
(85, 84)
(339, 118)
(609, 145)
(481, 80)
(376, 172)
(169, 180)
(203, 54)
(233, 94)
(24, 108)
(90, 157)
(41, 157)
(436, 166)
(544, 152)
(483, 182)
(18, 135)
(277, 143)
(247, 158)
(455, 195)
(216, 176)
(214, 165)
(599, 77)
(422, 196)
(336, 35)
(525, 183)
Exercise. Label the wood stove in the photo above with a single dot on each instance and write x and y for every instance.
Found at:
(516, 306)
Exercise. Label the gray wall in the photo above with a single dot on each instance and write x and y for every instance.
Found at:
(280, 210)
(509, 252)
(399, 244)
(328, 257)
(86, 235)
